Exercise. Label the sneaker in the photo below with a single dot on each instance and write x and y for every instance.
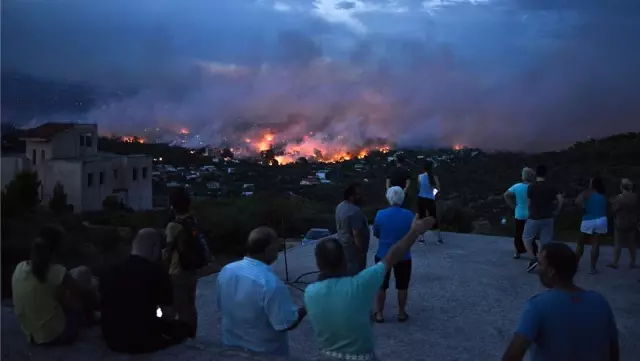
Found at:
(593, 271)
(440, 241)
(421, 240)
(533, 264)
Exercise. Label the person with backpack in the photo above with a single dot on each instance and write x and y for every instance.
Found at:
(189, 258)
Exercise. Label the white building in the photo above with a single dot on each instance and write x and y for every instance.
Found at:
(68, 153)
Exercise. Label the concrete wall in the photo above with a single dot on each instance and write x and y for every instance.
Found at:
(12, 165)
(140, 195)
(69, 174)
(65, 144)
(94, 194)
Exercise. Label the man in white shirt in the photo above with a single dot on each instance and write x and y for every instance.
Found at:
(256, 306)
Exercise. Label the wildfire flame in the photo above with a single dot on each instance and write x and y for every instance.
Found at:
(458, 147)
(132, 139)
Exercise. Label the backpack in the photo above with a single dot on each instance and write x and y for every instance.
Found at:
(191, 245)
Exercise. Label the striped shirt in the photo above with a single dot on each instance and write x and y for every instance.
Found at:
(256, 307)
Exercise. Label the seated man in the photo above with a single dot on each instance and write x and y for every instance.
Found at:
(339, 305)
(51, 303)
(131, 294)
(256, 306)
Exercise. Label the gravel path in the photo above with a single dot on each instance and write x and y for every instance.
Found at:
(465, 299)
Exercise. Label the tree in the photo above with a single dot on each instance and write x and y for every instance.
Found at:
(58, 202)
(21, 194)
(227, 153)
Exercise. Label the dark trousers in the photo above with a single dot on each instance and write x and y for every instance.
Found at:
(518, 242)
(428, 205)
(166, 333)
(401, 272)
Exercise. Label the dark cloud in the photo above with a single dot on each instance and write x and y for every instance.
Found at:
(523, 75)
(346, 5)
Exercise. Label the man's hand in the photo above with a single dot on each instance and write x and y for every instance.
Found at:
(419, 226)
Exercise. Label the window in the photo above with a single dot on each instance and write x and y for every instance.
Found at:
(89, 140)
(33, 157)
(144, 172)
(115, 174)
(42, 155)
(101, 177)
(89, 179)
(135, 174)
(82, 140)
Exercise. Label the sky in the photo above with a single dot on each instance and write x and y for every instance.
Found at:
(520, 75)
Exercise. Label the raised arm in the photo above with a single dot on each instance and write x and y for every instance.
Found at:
(399, 250)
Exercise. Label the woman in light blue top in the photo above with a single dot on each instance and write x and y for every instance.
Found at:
(428, 187)
(594, 220)
(516, 198)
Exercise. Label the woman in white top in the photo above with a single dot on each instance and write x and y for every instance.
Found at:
(428, 187)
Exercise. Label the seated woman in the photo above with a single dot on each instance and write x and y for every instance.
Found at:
(390, 225)
(51, 303)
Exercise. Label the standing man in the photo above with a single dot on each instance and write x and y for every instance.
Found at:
(188, 257)
(338, 304)
(516, 198)
(256, 306)
(545, 203)
(353, 229)
(400, 176)
(566, 322)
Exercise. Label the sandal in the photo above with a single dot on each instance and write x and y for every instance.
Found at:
(403, 318)
(614, 266)
(377, 317)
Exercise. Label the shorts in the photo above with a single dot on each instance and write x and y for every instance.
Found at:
(594, 226)
(428, 205)
(541, 228)
(401, 272)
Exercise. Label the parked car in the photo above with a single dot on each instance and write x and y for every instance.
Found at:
(315, 234)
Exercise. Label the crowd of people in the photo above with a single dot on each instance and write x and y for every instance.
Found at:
(148, 302)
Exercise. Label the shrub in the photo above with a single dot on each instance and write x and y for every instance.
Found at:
(58, 203)
(112, 203)
(21, 194)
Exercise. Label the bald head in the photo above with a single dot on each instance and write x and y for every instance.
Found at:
(626, 184)
(330, 255)
(146, 244)
(262, 244)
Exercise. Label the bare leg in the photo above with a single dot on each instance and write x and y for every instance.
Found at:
(632, 251)
(595, 251)
(617, 249)
(580, 246)
(402, 302)
(380, 299)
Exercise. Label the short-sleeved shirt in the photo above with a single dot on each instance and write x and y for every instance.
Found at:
(339, 311)
(350, 217)
(398, 176)
(542, 197)
(39, 313)
(391, 224)
(522, 207)
(256, 307)
(130, 294)
(568, 326)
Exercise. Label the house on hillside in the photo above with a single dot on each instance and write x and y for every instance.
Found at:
(68, 153)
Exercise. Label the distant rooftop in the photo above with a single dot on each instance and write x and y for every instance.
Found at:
(48, 130)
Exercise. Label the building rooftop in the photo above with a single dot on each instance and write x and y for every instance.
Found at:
(47, 131)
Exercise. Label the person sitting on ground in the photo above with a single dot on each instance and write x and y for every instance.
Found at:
(400, 176)
(428, 187)
(516, 198)
(545, 203)
(566, 322)
(626, 209)
(594, 221)
(256, 307)
(188, 256)
(132, 292)
(338, 303)
(51, 304)
(353, 229)
(390, 225)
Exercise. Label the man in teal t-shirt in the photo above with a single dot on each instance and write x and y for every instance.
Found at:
(339, 306)
(516, 198)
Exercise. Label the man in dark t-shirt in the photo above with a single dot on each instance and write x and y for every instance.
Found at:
(545, 203)
(400, 176)
(131, 294)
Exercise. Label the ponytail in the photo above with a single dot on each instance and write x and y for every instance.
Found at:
(428, 168)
